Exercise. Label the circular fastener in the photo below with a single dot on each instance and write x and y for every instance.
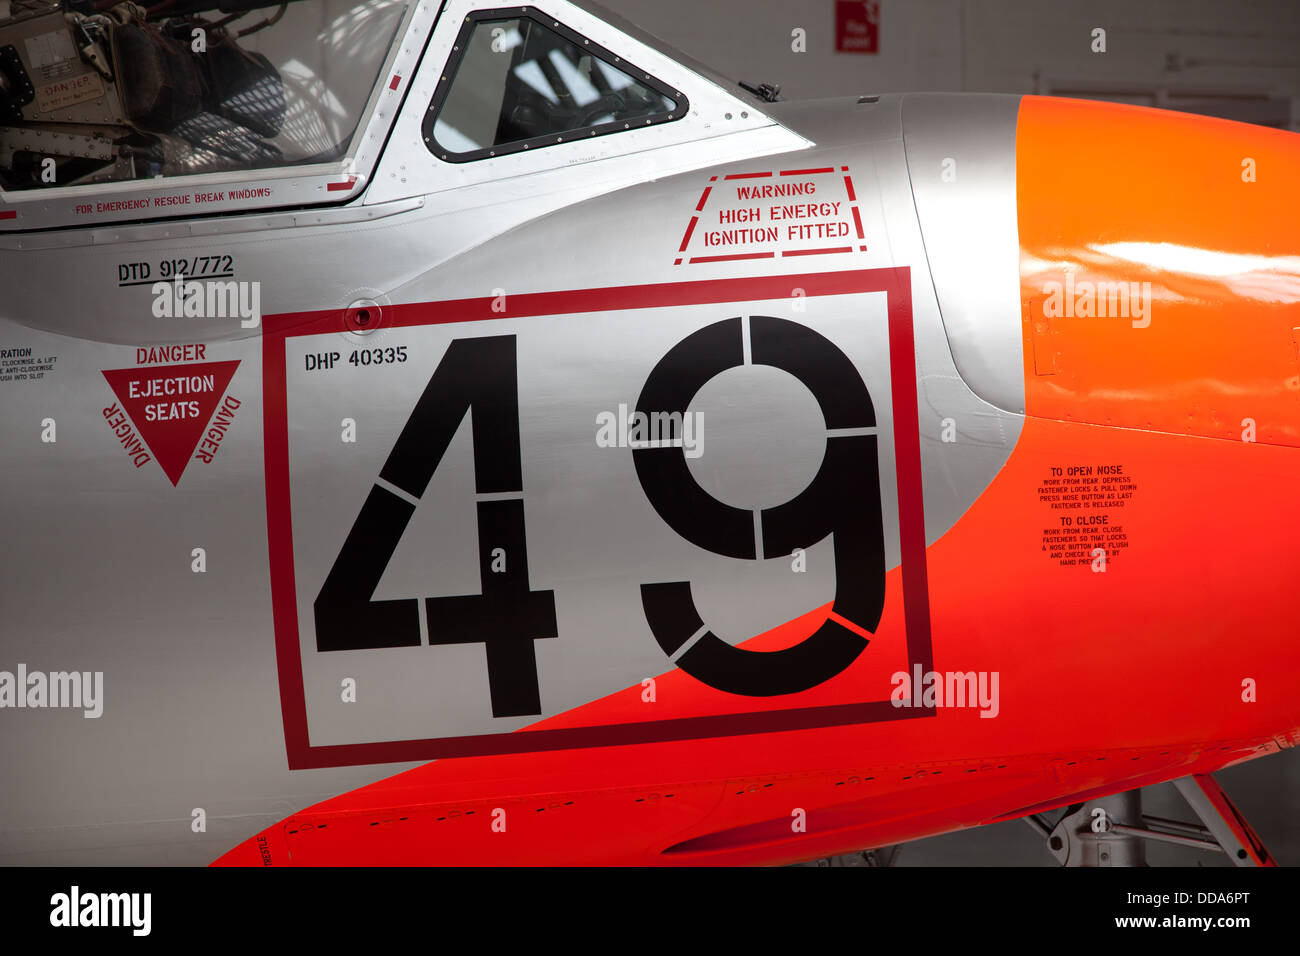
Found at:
(363, 316)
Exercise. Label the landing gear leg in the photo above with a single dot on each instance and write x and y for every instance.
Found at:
(1097, 833)
(1227, 826)
(1111, 831)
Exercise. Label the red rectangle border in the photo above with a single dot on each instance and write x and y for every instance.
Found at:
(894, 282)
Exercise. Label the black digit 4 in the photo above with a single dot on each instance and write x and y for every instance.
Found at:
(507, 617)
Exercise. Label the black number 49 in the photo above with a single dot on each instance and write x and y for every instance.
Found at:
(507, 616)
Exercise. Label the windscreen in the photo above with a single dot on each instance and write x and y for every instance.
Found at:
(518, 83)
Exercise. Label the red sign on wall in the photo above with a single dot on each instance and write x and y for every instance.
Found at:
(857, 26)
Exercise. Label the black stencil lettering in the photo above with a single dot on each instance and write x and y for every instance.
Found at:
(346, 618)
(473, 372)
(478, 377)
(507, 617)
(843, 500)
(686, 507)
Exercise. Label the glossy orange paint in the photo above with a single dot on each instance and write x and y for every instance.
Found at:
(1108, 679)
(1200, 216)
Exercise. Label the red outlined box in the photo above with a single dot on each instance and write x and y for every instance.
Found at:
(894, 282)
(842, 172)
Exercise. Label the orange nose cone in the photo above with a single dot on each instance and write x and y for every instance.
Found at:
(1160, 296)
(1160, 270)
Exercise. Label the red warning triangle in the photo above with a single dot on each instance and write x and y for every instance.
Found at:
(171, 405)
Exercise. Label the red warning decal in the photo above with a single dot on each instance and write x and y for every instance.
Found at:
(774, 214)
(171, 406)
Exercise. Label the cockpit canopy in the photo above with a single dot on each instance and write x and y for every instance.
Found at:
(98, 91)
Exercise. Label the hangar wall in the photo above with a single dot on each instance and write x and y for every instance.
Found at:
(1204, 56)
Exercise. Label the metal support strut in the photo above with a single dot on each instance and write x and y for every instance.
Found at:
(1110, 831)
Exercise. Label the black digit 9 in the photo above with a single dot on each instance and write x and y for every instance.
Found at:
(842, 500)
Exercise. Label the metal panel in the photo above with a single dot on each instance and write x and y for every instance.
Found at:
(961, 154)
